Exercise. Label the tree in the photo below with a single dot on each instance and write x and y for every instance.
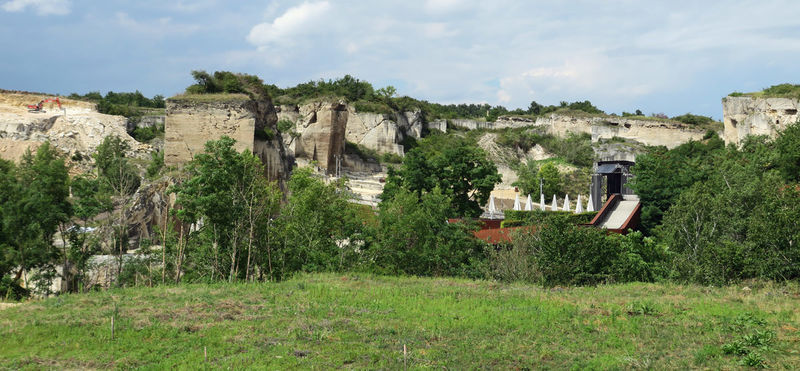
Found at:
(88, 200)
(34, 205)
(456, 165)
(318, 227)
(528, 178)
(228, 191)
(661, 175)
(120, 178)
(434, 248)
(788, 150)
(553, 181)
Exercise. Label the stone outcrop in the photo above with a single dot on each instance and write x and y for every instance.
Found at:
(317, 128)
(649, 132)
(192, 120)
(149, 208)
(322, 133)
(375, 131)
(745, 116)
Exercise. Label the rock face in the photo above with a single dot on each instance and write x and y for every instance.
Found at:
(321, 129)
(745, 116)
(653, 133)
(322, 134)
(76, 130)
(191, 121)
(375, 131)
(149, 208)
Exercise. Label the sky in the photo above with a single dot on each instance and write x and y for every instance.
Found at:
(668, 57)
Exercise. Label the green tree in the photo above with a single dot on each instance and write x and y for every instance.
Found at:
(156, 164)
(319, 227)
(228, 191)
(553, 181)
(414, 237)
(528, 178)
(661, 175)
(456, 165)
(120, 179)
(34, 205)
(788, 152)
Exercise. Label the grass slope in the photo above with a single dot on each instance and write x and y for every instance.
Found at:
(356, 321)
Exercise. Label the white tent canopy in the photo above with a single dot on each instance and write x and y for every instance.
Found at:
(579, 207)
(541, 201)
(555, 204)
(566, 203)
(528, 204)
(590, 206)
(516, 203)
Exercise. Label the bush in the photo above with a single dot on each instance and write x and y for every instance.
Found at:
(146, 134)
(696, 120)
(558, 252)
(535, 217)
(435, 248)
(565, 254)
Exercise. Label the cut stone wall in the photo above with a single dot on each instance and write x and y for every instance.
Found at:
(190, 124)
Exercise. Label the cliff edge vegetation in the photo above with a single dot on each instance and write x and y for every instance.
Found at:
(791, 91)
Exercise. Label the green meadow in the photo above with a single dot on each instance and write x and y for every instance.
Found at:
(325, 321)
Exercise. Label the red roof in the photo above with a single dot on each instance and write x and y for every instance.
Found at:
(500, 235)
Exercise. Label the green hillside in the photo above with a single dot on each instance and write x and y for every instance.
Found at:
(328, 321)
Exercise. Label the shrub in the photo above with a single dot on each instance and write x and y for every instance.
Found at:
(535, 217)
(434, 248)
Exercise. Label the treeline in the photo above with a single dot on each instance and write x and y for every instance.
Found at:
(712, 215)
(725, 213)
(364, 96)
(130, 105)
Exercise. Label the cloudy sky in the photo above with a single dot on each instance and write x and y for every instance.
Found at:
(658, 56)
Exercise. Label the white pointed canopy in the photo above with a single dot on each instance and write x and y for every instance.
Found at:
(528, 204)
(555, 204)
(516, 203)
(590, 206)
(541, 201)
(492, 208)
(579, 207)
(566, 203)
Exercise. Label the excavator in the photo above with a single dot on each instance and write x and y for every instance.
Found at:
(38, 108)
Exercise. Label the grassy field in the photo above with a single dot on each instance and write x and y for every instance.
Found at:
(360, 321)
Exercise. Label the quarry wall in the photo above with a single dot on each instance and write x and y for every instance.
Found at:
(743, 116)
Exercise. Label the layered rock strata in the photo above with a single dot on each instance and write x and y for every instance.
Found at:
(192, 120)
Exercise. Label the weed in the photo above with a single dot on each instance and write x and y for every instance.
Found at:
(754, 360)
(759, 338)
(642, 308)
(737, 348)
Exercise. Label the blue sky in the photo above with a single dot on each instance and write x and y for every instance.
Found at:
(658, 56)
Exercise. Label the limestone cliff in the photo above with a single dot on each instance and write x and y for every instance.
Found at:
(649, 132)
(76, 130)
(321, 128)
(192, 120)
(646, 131)
(745, 116)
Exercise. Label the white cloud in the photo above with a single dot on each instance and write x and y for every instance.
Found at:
(305, 18)
(42, 7)
(159, 27)
(512, 52)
